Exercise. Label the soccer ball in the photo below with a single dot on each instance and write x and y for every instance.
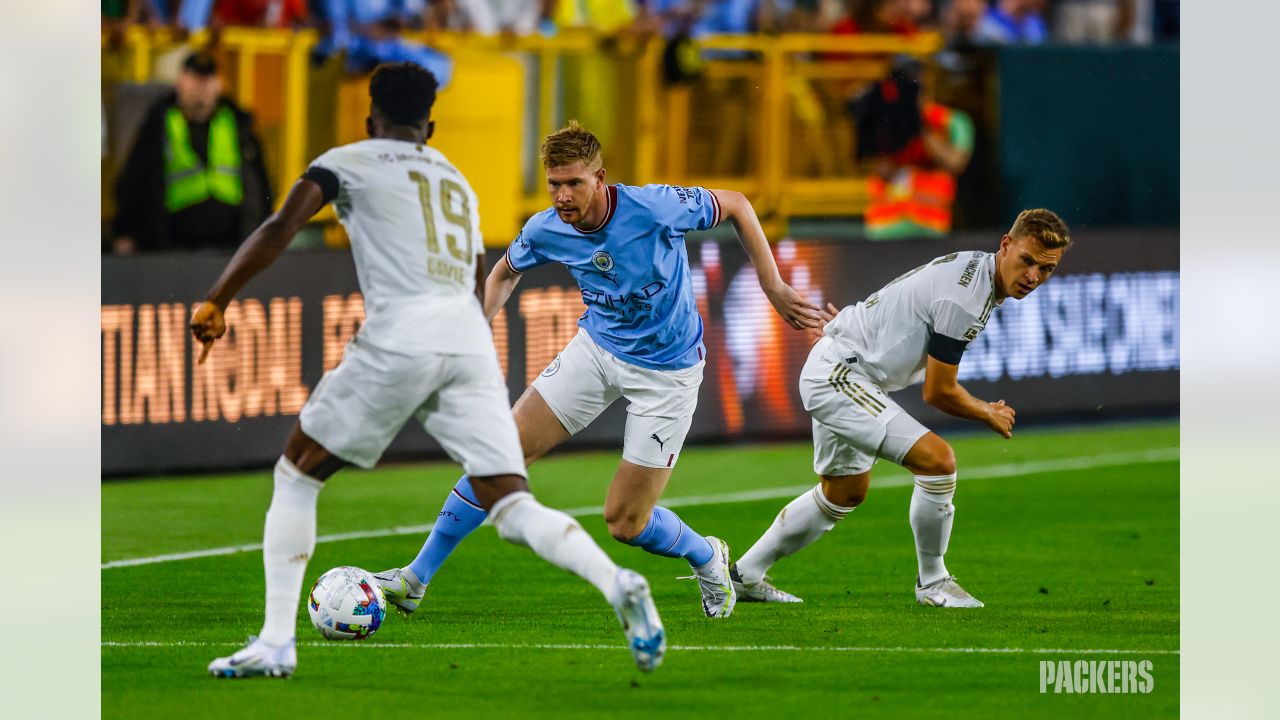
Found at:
(346, 604)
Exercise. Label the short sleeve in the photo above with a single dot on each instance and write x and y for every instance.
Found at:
(333, 164)
(521, 255)
(684, 209)
(327, 181)
(951, 330)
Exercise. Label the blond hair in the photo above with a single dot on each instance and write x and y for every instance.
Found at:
(1042, 225)
(569, 145)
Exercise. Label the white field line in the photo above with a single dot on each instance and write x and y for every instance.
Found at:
(681, 648)
(1006, 470)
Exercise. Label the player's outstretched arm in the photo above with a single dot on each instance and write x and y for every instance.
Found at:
(256, 253)
(790, 305)
(943, 391)
(498, 288)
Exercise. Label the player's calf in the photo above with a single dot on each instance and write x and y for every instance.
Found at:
(805, 519)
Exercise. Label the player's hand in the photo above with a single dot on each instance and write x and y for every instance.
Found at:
(825, 315)
(793, 308)
(207, 325)
(1000, 418)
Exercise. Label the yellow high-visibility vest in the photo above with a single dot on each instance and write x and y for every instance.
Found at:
(188, 181)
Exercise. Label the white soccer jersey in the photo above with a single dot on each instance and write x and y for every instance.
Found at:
(415, 233)
(889, 333)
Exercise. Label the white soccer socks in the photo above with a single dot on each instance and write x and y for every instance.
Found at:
(287, 542)
(931, 517)
(802, 521)
(555, 537)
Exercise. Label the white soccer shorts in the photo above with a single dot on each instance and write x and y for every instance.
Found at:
(461, 400)
(584, 379)
(854, 421)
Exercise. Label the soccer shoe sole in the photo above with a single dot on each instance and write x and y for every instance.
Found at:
(235, 673)
(646, 637)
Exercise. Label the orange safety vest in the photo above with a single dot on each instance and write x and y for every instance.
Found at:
(917, 200)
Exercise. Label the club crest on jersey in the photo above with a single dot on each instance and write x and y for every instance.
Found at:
(602, 260)
(553, 368)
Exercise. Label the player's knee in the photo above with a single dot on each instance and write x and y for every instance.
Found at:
(844, 491)
(941, 461)
(849, 498)
(625, 527)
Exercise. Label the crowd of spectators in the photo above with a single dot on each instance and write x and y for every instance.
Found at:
(194, 176)
(964, 22)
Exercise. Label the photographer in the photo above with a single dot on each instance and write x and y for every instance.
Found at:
(916, 149)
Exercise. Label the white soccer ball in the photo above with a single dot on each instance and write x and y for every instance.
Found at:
(346, 604)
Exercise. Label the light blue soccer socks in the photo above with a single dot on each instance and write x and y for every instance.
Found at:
(459, 517)
(668, 536)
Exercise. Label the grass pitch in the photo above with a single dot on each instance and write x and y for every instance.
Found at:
(1070, 536)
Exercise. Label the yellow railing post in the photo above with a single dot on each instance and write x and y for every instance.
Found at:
(140, 57)
(773, 162)
(245, 75)
(294, 156)
(547, 61)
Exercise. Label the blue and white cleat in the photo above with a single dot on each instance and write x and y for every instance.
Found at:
(257, 659)
(639, 617)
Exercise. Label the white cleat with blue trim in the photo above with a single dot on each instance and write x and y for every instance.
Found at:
(257, 659)
(639, 617)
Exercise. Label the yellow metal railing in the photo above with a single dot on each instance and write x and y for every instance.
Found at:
(768, 122)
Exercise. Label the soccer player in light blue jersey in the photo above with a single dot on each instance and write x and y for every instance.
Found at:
(640, 339)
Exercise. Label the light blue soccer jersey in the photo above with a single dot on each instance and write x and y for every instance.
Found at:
(633, 270)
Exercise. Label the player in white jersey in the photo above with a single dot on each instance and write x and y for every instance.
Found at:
(915, 328)
(423, 351)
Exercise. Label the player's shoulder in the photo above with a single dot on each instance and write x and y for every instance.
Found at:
(442, 163)
(657, 200)
(962, 277)
(350, 151)
(659, 192)
(537, 225)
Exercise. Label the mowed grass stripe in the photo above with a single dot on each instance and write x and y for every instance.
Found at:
(1004, 470)
(682, 648)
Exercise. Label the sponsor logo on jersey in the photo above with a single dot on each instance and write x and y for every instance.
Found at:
(628, 304)
(970, 271)
(602, 260)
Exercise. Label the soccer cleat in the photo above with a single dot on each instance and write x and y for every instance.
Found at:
(257, 659)
(761, 591)
(718, 597)
(944, 592)
(402, 588)
(639, 617)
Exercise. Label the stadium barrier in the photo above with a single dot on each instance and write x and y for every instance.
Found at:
(1098, 342)
(764, 116)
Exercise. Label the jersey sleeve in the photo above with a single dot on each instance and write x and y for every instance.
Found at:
(332, 171)
(522, 256)
(951, 331)
(684, 209)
